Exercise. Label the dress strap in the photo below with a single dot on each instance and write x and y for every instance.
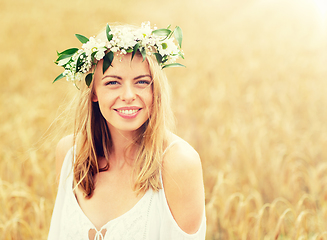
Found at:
(167, 148)
(170, 145)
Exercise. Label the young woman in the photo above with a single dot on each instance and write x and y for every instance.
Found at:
(123, 173)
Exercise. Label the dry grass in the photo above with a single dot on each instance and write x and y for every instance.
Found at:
(252, 101)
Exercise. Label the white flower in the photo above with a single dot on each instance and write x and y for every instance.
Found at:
(168, 47)
(114, 49)
(100, 54)
(78, 76)
(93, 46)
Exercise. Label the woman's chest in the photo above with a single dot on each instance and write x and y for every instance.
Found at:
(133, 224)
(113, 196)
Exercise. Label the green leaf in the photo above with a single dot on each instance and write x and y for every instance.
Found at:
(80, 61)
(181, 55)
(135, 48)
(178, 35)
(70, 51)
(63, 62)
(109, 36)
(59, 77)
(107, 60)
(92, 56)
(158, 57)
(88, 79)
(129, 50)
(66, 54)
(173, 65)
(81, 38)
(62, 57)
(164, 59)
(162, 32)
(143, 52)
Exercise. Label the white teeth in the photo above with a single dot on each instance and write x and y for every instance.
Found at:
(128, 112)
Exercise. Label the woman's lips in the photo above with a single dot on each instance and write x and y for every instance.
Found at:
(128, 112)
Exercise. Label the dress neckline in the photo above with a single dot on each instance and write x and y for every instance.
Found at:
(128, 212)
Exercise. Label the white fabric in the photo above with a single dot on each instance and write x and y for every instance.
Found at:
(149, 219)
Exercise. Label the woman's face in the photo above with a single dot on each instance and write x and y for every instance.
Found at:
(124, 92)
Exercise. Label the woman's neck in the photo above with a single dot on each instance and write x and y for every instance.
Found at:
(123, 146)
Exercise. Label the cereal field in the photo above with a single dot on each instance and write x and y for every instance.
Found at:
(252, 101)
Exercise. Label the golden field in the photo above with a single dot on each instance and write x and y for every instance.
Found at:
(252, 101)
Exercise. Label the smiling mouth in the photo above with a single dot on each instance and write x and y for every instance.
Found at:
(128, 111)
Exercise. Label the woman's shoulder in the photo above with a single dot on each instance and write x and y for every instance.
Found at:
(181, 148)
(181, 156)
(183, 184)
(62, 148)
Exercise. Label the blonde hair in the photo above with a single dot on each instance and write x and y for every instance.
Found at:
(92, 136)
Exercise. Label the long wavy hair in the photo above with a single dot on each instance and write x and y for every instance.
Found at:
(92, 136)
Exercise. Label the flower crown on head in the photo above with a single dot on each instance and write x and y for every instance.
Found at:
(147, 41)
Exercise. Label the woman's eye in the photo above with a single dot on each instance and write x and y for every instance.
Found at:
(111, 83)
(143, 82)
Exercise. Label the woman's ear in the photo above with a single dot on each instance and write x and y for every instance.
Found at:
(94, 97)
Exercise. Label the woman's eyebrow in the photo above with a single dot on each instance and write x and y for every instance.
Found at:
(120, 78)
(142, 76)
(112, 76)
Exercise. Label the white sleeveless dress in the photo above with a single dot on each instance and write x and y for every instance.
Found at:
(149, 219)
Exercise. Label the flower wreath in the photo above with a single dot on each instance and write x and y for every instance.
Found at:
(146, 40)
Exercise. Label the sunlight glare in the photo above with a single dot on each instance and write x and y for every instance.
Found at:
(321, 8)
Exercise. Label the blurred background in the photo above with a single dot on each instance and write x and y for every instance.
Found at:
(252, 101)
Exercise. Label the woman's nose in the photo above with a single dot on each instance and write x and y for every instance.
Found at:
(128, 93)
